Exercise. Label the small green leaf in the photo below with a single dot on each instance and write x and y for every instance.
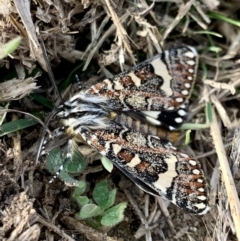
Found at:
(205, 70)
(75, 164)
(3, 115)
(114, 215)
(194, 126)
(67, 179)
(214, 49)
(103, 196)
(208, 111)
(16, 125)
(208, 32)
(80, 189)
(89, 210)
(187, 137)
(9, 47)
(82, 200)
(108, 165)
(219, 16)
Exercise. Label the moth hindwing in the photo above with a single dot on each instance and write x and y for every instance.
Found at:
(156, 90)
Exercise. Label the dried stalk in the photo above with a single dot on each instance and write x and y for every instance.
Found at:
(226, 174)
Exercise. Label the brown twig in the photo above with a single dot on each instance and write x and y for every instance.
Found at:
(226, 174)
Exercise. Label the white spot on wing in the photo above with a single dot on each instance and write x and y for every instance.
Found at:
(135, 161)
(183, 106)
(116, 148)
(160, 69)
(153, 114)
(118, 85)
(190, 70)
(165, 179)
(182, 112)
(185, 92)
(109, 84)
(203, 198)
(178, 120)
(179, 99)
(196, 172)
(201, 206)
(103, 153)
(189, 54)
(135, 79)
(173, 147)
(204, 207)
(193, 163)
(153, 121)
(190, 62)
(193, 50)
(184, 155)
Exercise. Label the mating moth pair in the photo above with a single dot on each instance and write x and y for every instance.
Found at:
(156, 91)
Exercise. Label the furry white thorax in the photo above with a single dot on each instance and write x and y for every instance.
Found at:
(86, 111)
(91, 121)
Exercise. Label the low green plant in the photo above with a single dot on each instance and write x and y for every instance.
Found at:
(9, 47)
(100, 211)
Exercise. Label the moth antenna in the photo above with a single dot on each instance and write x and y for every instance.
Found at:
(52, 79)
(44, 130)
(78, 82)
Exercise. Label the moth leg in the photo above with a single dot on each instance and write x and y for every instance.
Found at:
(48, 143)
(70, 156)
(67, 154)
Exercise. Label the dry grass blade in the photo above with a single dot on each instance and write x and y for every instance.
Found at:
(17, 218)
(54, 228)
(235, 152)
(23, 8)
(220, 85)
(123, 39)
(101, 40)
(226, 174)
(22, 88)
(222, 112)
(182, 12)
(140, 215)
(90, 233)
(211, 4)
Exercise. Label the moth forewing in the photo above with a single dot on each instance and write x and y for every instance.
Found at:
(158, 89)
(154, 162)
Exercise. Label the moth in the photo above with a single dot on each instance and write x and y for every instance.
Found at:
(155, 91)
